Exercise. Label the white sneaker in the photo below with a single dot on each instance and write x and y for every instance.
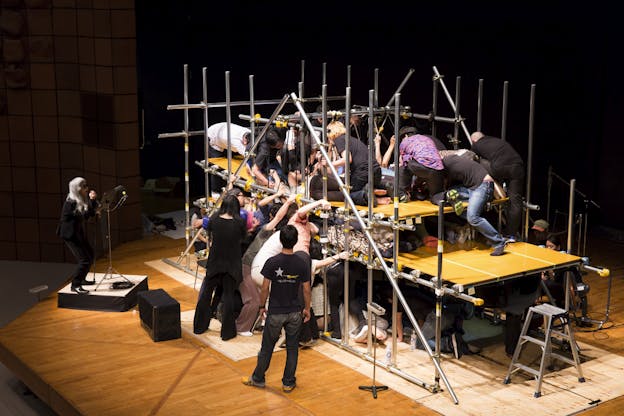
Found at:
(361, 336)
(246, 334)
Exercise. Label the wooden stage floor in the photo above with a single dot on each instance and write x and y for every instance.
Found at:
(105, 363)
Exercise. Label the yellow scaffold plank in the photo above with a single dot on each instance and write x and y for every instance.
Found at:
(222, 163)
(475, 266)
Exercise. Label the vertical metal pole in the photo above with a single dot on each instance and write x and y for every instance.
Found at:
(504, 110)
(434, 104)
(571, 216)
(395, 222)
(549, 189)
(375, 88)
(252, 115)
(228, 118)
(457, 115)
(324, 73)
(206, 138)
(324, 173)
(302, 155)
(348, 75)
(480, 104)
(371, 198)
(302, 82)
(187, 224)
(529, 168)
(438, 324)
(347, 227)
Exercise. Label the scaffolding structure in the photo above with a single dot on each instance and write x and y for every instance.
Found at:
(368, 217)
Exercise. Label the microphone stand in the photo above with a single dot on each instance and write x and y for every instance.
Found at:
(110, 271)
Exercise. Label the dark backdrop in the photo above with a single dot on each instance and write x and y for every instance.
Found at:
(569, 52)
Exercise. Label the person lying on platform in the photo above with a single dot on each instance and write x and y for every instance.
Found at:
(468, 180)
(422, 304)
(218, 138)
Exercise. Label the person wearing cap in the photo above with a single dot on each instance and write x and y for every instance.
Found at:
(539, 232)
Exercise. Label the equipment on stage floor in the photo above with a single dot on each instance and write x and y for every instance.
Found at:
(376, 310)
(111, 201)
(160, 314)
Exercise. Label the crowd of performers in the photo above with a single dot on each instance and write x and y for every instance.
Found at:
(250, 252)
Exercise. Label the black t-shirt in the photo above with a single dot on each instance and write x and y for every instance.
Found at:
(265, 155)
(497, 151)
(287, 272)
(359, 156)
(464, 171)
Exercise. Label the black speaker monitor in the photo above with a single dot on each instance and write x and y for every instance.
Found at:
(160, 314)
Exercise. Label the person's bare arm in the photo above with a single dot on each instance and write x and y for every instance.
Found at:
(307, 291)
(260, 178)
(386, 158)
(281, 213)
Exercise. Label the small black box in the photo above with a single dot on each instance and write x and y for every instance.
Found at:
(160, 314)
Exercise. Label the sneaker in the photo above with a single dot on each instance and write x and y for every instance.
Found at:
(288, 389)
(249, 381)
(361, 336)
(246, 334)
(511, 239)
(308, 344)
(499, 250)
(404, 198)
(452, 197)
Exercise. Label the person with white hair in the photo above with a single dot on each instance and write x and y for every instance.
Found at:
(79, 206)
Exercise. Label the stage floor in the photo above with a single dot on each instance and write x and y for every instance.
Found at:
(69, 357)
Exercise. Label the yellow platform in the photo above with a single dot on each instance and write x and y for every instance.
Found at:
(222, 163)
(471, 264)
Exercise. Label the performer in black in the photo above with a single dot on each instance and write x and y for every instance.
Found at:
(226, 231)
(79, 206)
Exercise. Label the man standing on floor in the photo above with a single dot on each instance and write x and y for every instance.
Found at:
(283, 275)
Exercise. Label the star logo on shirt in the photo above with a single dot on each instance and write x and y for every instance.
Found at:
(279, 272)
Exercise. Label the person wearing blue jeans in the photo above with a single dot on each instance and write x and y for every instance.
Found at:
(283, 274)
(473, 183)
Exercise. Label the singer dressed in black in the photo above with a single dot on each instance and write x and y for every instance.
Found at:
(79, 205)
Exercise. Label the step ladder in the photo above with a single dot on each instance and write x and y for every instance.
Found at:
(551, 314)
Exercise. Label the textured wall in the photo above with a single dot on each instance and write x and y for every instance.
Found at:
(68, 107)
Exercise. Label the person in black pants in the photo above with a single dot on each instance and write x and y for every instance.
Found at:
(79, 206)
(224, 269)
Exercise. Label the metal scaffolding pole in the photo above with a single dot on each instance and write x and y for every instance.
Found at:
(400, 88)
(434, 105)
(206, 138)
(504, 111)
(347, 227)
(187, 218)
(529, 162)
(480, 105)
(450, 100)
(383, 264)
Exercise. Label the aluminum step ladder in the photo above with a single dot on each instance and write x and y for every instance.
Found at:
(551, 314)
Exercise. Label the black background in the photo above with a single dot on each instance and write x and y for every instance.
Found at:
(570, 52)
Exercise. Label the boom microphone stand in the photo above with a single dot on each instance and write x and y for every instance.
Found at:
(110, 271)
(375, 310)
